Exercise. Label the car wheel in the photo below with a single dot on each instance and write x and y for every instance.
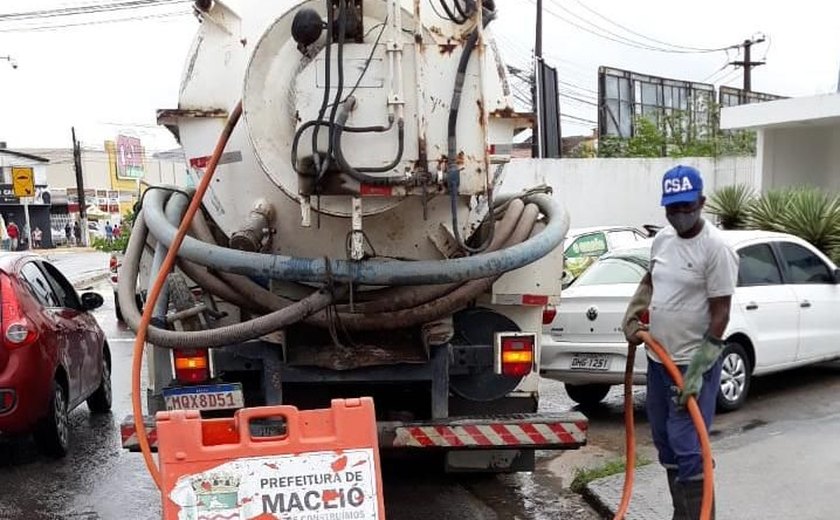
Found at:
(735, 376)
(587, 395)
(53, 432)
(100, 400)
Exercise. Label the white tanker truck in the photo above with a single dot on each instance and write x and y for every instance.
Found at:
(353, 241)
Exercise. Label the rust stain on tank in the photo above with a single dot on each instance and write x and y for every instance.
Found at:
(480, 104)
(507, 112)
(447, 48)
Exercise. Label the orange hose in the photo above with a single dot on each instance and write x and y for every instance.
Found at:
(630, 436)
(696, 417)
(157, 287)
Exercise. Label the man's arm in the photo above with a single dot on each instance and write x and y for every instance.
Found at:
(719, 311)
(639, 303)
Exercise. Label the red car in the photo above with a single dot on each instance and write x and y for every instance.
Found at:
(53, 355)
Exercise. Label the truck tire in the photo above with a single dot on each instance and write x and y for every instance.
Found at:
(181, 298)
(117, 309)
(735, 377)
(587, 395)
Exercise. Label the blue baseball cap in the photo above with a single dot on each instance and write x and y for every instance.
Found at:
(681, 184)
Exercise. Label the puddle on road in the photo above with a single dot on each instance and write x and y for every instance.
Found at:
(532, 496)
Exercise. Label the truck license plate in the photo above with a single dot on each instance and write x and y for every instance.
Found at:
(590, 362)
(205, 397)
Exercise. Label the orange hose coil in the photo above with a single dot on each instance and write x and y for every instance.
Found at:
(696, 417)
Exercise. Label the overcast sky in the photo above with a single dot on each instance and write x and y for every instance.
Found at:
(111, 77)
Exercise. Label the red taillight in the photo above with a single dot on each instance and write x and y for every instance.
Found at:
(517, 354)
(191, 365)
(549, 313)
(18, 331)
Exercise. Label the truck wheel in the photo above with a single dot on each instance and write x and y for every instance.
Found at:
(117, 309)
(53, 432)
(100, 400)
(587, 395)
(735, 377)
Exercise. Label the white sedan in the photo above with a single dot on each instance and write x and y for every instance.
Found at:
(784, 315)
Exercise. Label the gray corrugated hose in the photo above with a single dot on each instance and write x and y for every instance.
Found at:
(384, 300)
(231, 334)
(368, 272)
(453, 301)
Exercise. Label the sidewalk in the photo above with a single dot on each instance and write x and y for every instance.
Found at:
(778, 472)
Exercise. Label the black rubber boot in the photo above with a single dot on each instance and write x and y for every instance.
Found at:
(676, 496)
(692, 493)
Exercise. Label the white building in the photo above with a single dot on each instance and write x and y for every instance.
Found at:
(798, 140)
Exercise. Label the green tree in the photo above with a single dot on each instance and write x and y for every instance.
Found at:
(674, 135)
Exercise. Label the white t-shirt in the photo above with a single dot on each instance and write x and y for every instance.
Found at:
(686, 273)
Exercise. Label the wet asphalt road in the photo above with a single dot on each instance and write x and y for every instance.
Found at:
(98, 480)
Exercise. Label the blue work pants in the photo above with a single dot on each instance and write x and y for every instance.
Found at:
(673, 431)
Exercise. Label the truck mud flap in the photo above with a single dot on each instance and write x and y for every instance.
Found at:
(542, 431)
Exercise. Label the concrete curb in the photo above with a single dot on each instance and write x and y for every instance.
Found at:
(90, 279)
(651, 499)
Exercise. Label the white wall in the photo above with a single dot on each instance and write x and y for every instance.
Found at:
(600, 192)
(806, 155)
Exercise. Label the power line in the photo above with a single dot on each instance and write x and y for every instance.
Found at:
(34, 28)
(631, 31)
(87, 9)
(612, 36)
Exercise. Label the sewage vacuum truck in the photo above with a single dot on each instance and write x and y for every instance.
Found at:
(353, 241)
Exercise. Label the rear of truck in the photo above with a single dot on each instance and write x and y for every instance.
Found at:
(354, 241)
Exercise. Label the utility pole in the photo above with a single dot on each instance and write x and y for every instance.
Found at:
(80, 187)
(536, 86)
(747, 63)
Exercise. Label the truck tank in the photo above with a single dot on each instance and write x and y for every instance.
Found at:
(353, 241)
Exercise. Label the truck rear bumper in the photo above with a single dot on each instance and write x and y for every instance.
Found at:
(544, 431)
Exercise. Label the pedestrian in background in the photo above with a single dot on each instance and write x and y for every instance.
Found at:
(688, 292)
(37, 235)
(68, 233)
(109, 232)
(14, 235)
(77, 233)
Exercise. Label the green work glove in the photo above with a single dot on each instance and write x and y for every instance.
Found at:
(631, 324)
(703, 360)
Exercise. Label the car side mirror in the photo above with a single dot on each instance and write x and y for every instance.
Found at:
(92, 301)
(837, 276)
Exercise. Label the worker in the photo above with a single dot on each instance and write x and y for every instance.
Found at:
(687, 293)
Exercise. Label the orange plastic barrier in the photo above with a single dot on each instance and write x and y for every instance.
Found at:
(315, 465)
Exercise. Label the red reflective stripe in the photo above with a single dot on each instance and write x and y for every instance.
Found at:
(507, 437)
(152, 436)
(476, 434)
(532, 432)
(562, 433)
(534, 299)
(419, 436)
(449, 436)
